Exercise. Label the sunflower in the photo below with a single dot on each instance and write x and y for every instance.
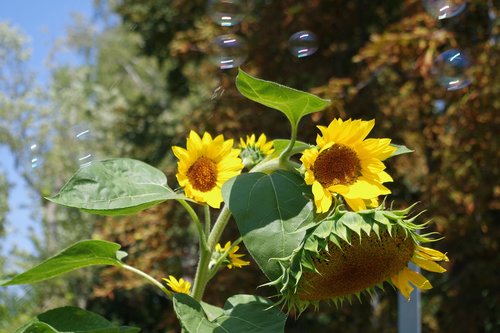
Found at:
(253, 152)
(205, 166)
(351, 253)
(178, 286)
(234, 258)
(346, 163)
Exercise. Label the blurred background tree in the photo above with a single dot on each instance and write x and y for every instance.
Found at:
(147, 79)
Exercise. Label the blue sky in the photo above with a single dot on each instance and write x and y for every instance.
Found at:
(43, 21)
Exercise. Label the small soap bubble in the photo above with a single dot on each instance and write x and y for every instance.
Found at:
(303, 43)
(226, 13)
(439, 107)
(450, 69)
(82, 139)
(35, 157)
(443, 9)
(228, 51)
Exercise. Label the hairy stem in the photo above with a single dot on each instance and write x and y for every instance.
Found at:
(149, 278)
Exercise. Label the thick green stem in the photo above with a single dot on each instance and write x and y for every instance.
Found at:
(149, 278)
(202, 272)
(207, 219)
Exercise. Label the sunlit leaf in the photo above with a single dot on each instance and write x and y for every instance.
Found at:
(295, 104)
(118, 186)
(269, 209)
(81, 254)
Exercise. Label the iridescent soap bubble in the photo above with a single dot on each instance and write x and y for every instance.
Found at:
(303, 43)
(226, 12)
(450, 69)
(442, 9)
(228, 51)
(82, 140)
(35, 156)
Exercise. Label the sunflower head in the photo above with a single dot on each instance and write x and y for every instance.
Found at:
(253, 152)
(178, 286)
(205, 165)
(233, 259)
(351, 253)
(344, 162)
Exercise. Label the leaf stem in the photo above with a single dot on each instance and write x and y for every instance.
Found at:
(196, 220)
(215, 267)
(286, 153)
(149, 278)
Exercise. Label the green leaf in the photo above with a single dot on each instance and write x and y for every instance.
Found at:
(118, 186)
(281, 144)
(70, 319)
(241, 313)
(401, 149)
(81, 254)
(268, 210)
(293, 103)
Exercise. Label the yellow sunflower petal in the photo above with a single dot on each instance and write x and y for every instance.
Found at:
(322, 198)
(432, 253)
(355, 204)
(418, 280)
(403, 283)
(428, 265)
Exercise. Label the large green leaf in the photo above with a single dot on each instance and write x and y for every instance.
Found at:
(269, 209)
(293, 103)
(118, 186)
(81, 254)
(72, 320)
(241, 314)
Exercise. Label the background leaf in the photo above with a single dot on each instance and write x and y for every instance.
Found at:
(401, 149)
(119, 186)
(81, 254)
(281, 144)
(71, 319)
(268, 210)
(293, 103)
(241, 313)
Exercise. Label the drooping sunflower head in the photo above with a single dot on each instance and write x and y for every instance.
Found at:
(344, 162)
(253, 152)
(178, 286)
(351, 253)
(205, 165)
(233, 259)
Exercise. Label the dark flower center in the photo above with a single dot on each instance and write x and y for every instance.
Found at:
(203, 174)
(356, 267)
(338, 164)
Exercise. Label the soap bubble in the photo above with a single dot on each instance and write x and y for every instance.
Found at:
(303, 43)
(82, 139)
(228, 51)
(442, 9)
(450, 69)
(226, 12)
(35, 157)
